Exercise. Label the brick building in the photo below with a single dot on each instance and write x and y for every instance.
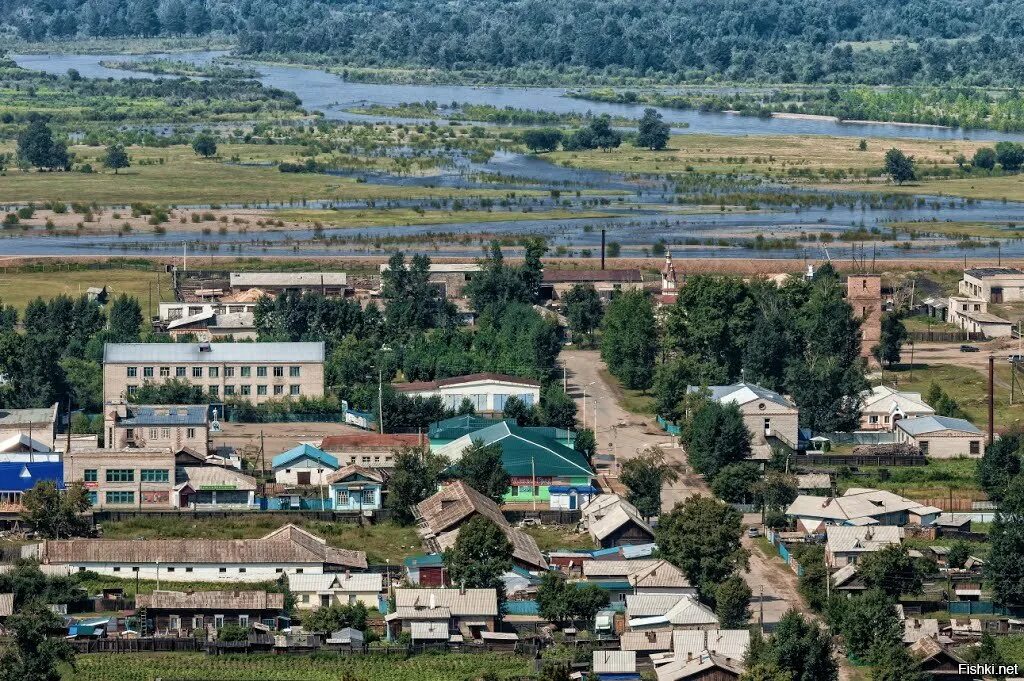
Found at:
(864, 294)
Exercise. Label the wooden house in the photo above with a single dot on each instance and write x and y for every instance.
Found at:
(184, 613)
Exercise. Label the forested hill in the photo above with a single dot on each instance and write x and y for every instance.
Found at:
(971, 42)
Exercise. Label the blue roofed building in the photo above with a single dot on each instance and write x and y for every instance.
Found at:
(303, 465)
(18, 477)
(171, 426)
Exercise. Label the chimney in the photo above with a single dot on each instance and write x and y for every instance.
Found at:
(433, 601)
(462, 588)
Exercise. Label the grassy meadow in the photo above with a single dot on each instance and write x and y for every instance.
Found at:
(17, 287)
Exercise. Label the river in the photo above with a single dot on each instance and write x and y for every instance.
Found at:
(334, 96)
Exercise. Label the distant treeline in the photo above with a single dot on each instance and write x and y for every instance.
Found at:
(971, 42)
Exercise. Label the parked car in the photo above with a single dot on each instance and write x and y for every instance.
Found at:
(753, 532)
(969, 348)
(1015, 358)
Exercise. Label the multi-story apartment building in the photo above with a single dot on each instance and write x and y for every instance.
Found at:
(254, 372)
(173, 426)
(135, 478)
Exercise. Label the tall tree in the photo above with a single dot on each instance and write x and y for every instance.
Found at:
(125, 322)
(584, 311)
(1000, 463)
(715, 437)
(629, 339)
(480, 556)
(143, 19)
(797, 647)
(37, 148)
(710, 322)
(899, 167)
(701, 536)
(870, 624)
(54, 514)
(560, 601)
(481, 467)
(734, 482)
(413, 479)
(413, 302)
(732, 603)
(644, 476)
(1004, 569)
(652, 131)
(35, 651)
(205, 145)
(893, 571)
(894, 334)
(116, 158)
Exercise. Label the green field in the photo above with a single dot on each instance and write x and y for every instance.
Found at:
(380, 542)
(17, 288)
(322, 667)
(184, 178)
(958, 474)
(1009, 187)
(550, 538)
(983, 230)
(969, 387)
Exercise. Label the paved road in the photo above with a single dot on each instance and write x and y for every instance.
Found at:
(625, 434)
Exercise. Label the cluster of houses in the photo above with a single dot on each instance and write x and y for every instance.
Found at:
(979, 288)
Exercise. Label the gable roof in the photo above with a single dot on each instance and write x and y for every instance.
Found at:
(304, 450)
(743, 393)
(459, 602)
(847, 539)
(922, 425)
(457, 426)
(614, 661)
(351, 582)
(650, 605)
(619, 515)
(352, 470)
(482, 377)
(21, 476)
(915, 629)
(883, 398)
(732, 643)
(212, 600)
(857, 503)
(287, 544)
(646, 640)
(680, 669)
(928, 648)
(198, 477)
(368, 441)
(686, 610)
(525, 452)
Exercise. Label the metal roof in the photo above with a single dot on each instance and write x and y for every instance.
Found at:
(198, 477)
(461, 602)
(301, 451)
(212, 600)
(856, 504)
(614, 661)
(353, 582)
(646, 640)
(742, 393)
(430, 631)
(846, 539)
(23, 417)
(650, 605)
(257, 353)
(468, 379)
(618, 516)
(732, 643)
(165, 415)
(525, 452)
(923, 425)
(20, 477)
(271, 279)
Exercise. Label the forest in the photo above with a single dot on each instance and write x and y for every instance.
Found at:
(963, 42)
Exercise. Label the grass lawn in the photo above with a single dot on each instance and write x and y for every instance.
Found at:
(17, 288)
(925, 323)
(322, 667)
(985, 230)
(1010, 187)
(969, 387)
(380, 542)
(768, 155)
(636, 401)
(147, 586)
(364, 217)
(184, 178)
(956, 473)
(552, 537)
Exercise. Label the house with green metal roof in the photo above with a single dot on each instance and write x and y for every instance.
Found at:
(303, 465)
(541, 467)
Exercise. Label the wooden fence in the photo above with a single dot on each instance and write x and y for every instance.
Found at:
(896, 460)
(137, 645)
(945, 336)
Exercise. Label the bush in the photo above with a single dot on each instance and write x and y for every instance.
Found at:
(233, 632)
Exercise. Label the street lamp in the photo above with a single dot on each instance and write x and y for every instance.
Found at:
(585, 401)
(380, 390)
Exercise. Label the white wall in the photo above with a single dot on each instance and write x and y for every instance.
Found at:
(318, 472)
(201, 572)
(483, 394)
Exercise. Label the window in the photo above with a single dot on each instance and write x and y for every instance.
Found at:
(527, 399)
(117, 569)
(214, 390)
(179, 372)
(218, 621)
(89, 475)
(229, 372)
(153, 433)
(135, 569)
(342, 497)
(175, 622)
(278, 372)
(975, 447)
(261, 390)
(293, 390)
(133, 372)
(294, 371)
(229, 390)
(241, 570)
(245, 372)
(243, 620)
(499, 401)
(197, 621)
(132, 389)
(479, 401)
(120, 497)
(165, 372)
(298, 571)
(194, 309)
(120, 475)
(261, 372)
(279, 390)
(188, 569)
(94, 498)
(170, 569)
(165, 433)
(213, 372)
(147, 372)
(305, 598)
(222, 569)
(197, 372)
(155, 475)
(246, 389)
(190, 432)
(278, 570)
(873, 418)
(923, 446)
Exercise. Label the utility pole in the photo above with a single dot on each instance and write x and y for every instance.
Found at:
(991, 399)
(761, 616)
(380, 398)
(533, 487)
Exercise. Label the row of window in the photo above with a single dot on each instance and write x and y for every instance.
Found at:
(160, 433)
(479, 400)
(369, 497)
(293, 389)
(223, 570)
(212, 372)
(127, 475)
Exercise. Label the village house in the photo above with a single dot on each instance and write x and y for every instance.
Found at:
(668, 611)
(39, 424)
(556, 283)
(18, 477)
(704, 666)
(487, 392)
(941, 437)
(427, 614)
(859, 506)
(731, 643)
(766, 413)
(303, 464)
(354, 488)
(170, 311)
(214, 487)
(441, 516)
(993, 284)
(620, 525)
(541, 468)
(253, 372)
(883, 406)
(286, 550)
(274, 283)
(846, 580)
(324, 590)
(173, 426)
(646, 643)
(425, 570)
(123, 479)
(845, 545)
(637, 579)
(369, 450)
(450, 278)
(187, 613)
(938, 662)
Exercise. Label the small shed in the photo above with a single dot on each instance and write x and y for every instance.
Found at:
(615, 665)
